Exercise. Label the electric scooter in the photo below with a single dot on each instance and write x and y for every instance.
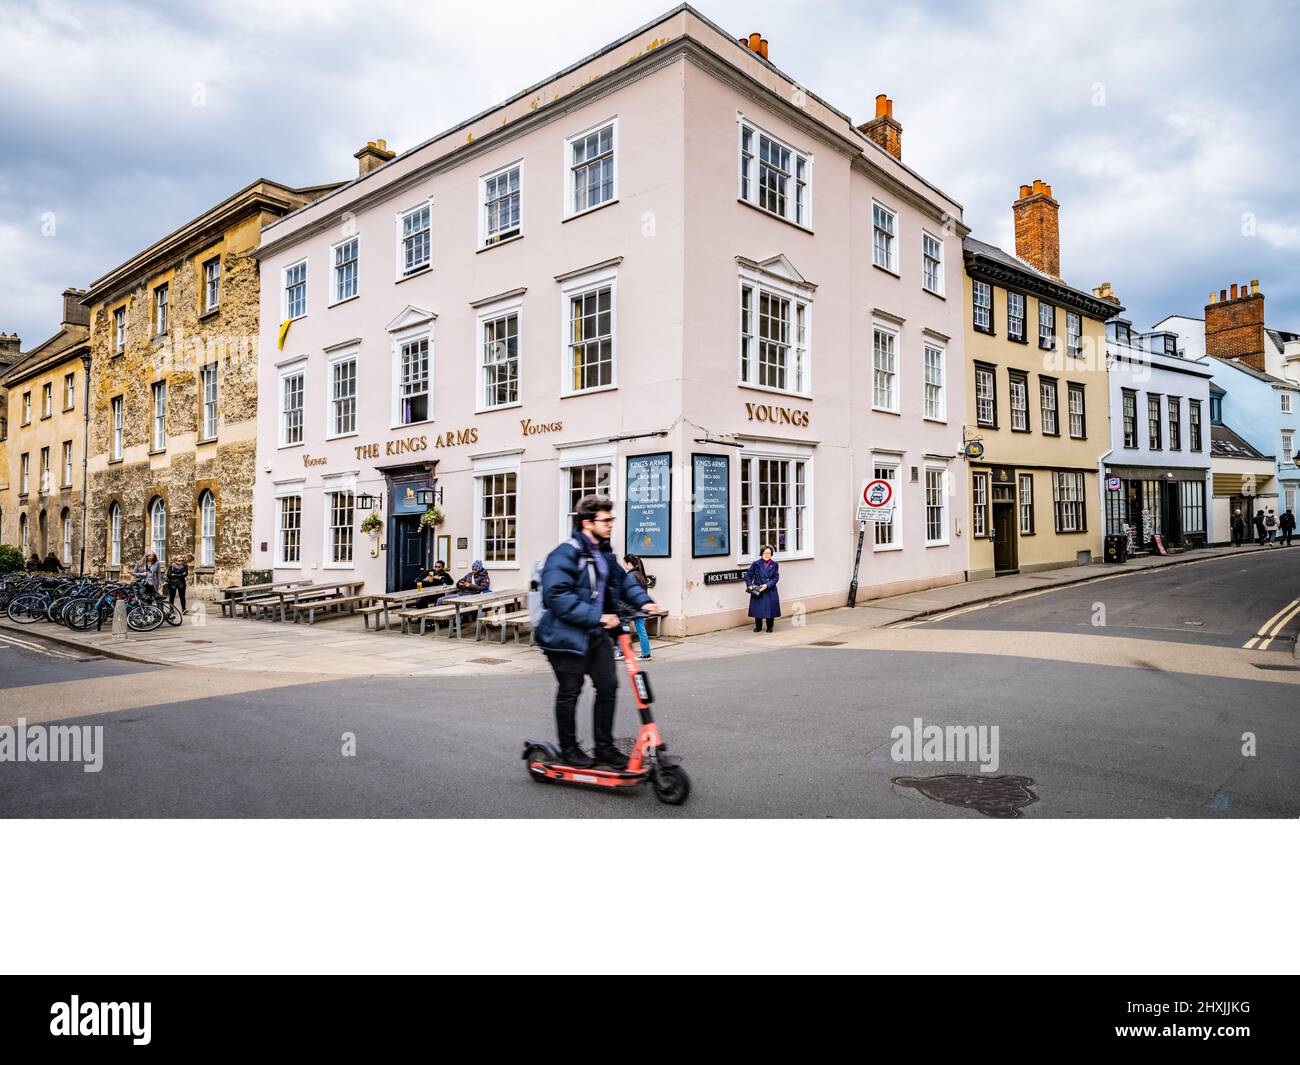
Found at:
(648, 760)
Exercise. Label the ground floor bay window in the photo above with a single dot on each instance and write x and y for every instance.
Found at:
(774, 505)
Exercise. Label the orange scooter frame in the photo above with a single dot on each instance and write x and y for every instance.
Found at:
(648, 761)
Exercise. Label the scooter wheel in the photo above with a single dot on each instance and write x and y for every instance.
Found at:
(536, 754)
(672, 785)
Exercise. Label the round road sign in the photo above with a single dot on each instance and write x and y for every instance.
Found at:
(876, 494)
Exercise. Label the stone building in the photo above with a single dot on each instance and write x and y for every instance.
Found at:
(40, 503)
(173, 335)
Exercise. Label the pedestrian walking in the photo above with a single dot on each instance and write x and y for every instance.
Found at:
(1261, 532)
(178, 574)
(1270, 527)
(760, 581)
(1238, 529)
(148, 571)
(635, 566)
(582, 588)
(1287, 524)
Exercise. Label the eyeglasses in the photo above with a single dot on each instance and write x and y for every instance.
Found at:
(603, 521)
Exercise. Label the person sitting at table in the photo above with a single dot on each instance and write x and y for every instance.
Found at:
(476, 581)
(437, 576)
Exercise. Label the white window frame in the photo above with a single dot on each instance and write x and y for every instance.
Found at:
(399, 222)
(207, 540)
(764, 449)
(944, 508)
(892, 263)
(491, 466)
(602, 454)
(570, 188)
(119, 330)
(884, 328)
(47, 399)
(1015, 379)
(206, 373)
(891, 462)
(330, 486)
(211, 282)
(486, 238)
(67, 463)
(401, 340)
(798, 351)
(335, 360)
(797, 204)
(579, 286)
(158, 415)
(929, 345)
(926, 259)
(290, 489)
(491, 313)
(1286, 402)
(45, 470)
(114, 534)
(1025, 503)
(285, 312)
(981, 312)
(1287, 455)
(287, 373)
(157, 544)
(69, 390)
(979, 498)
(25, 474)
(117, 426)
(161, 308)
(335, 268)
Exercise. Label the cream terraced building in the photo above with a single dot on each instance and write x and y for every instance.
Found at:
(668, 273)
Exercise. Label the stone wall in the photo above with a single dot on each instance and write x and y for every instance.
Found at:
(188, 467)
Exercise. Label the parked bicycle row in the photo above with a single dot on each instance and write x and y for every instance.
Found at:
(84, 603)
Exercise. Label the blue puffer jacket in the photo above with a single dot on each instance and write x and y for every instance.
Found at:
(571, 615)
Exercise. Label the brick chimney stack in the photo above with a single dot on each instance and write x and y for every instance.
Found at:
(10, 349)
(74, 311)
(374, 154)
(1038, 234)
(1234, 325)
(1105, 292)
(885, 129)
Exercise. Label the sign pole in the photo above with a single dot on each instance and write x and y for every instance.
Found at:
(857, 559)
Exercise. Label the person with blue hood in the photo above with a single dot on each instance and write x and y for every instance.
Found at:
(583, 589)
(476, 580)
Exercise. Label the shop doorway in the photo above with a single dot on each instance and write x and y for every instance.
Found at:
(1004, 538)
(406, 543)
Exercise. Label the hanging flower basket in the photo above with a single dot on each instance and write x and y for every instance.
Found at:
(372, 524)
(431, 518)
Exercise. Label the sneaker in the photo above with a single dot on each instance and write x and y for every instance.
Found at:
(612, 757)
(643, 658)
(618, 655)
(577, 758)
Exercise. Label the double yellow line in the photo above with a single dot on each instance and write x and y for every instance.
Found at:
(1272, 628)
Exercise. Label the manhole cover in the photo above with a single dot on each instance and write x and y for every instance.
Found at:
(991, 796)
(490, 661)
(198, 641)
(827, 643)
(1278, 667)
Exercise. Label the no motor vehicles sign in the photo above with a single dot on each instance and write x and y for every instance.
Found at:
(876, 501)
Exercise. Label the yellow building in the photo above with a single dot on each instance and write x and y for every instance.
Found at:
(1038, 414)
(41, 497)
(173, 416)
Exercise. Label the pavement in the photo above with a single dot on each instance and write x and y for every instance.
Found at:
(1124, 712)
(341, 647)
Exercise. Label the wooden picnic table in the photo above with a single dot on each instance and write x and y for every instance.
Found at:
(479, 601)
(397, 599)
(285, 596)
(231, 594)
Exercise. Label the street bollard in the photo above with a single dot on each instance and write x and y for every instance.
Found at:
(119, 620)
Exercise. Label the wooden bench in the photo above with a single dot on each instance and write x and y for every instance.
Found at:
(426, 615)
(254, 605)
(310, 604)
(376, 609)
(514, 620)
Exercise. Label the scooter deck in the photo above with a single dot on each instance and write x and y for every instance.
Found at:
(606, 778)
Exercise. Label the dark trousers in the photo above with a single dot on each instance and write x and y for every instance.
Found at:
(172, 590)
(758, 624)
(570, 670)
(1286, 537)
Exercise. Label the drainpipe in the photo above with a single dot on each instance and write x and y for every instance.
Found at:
(85, 459)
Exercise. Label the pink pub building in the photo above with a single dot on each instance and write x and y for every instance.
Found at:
(668, 274)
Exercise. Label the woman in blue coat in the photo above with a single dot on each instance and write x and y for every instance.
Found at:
(762, 577)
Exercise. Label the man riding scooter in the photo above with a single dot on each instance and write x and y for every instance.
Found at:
(582, 587)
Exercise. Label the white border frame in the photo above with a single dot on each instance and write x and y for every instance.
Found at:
(481, 206)
(399, 274)
(943, 263)
(928, 466)
(284, 289)
(883, 326)
(484, 314)
(797, 294)
(743, 120)
(290, 369)
(896, 266)
(894, 461)
(574, 286)
(769, 449)
(567, 161)
(400, 337)
(487, 466)
(343, 354)
(330, 483)
(332, 301)
(584, 455)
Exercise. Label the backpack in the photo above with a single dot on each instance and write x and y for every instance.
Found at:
(536, 607)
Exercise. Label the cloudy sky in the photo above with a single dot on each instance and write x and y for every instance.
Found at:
(1167, 130)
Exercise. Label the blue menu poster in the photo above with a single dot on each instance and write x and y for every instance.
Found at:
(710, 505)
(649, 504)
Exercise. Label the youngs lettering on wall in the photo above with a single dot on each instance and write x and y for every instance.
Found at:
(765, 412)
